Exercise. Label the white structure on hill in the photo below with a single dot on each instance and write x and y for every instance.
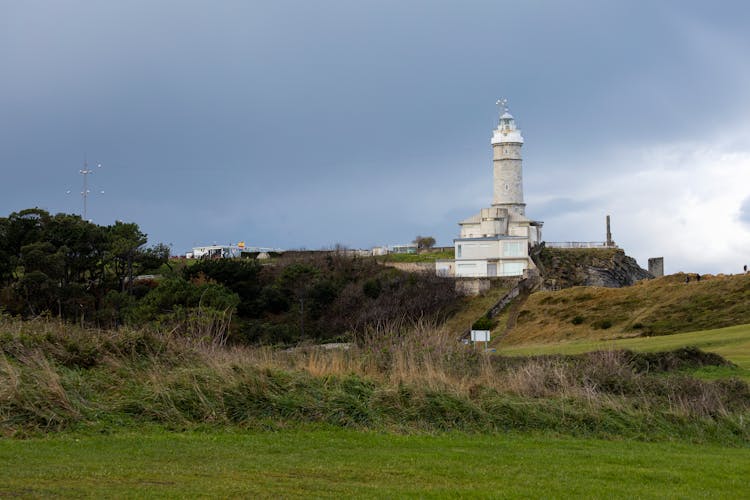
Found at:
(496, 241)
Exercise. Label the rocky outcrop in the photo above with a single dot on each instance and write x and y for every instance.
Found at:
(607, 267)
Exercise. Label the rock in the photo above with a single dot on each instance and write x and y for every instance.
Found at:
(606, 267)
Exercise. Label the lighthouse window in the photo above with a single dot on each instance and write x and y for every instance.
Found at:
(507, 187)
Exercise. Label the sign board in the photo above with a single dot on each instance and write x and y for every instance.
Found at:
(480, 335)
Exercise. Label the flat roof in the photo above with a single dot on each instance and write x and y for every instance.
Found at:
(492, 238)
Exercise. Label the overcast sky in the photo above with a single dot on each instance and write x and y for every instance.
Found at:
(300, 124)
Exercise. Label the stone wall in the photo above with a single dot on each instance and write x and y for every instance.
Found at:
(412, 267)
(472, 286)
(656, 266)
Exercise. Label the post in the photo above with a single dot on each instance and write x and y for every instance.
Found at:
(609, 234)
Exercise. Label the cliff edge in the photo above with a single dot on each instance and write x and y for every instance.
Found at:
(568, 267)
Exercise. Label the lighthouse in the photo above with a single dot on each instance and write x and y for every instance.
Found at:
(496, 241)
(507, 163)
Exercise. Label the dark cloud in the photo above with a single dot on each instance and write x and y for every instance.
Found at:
(300, 124)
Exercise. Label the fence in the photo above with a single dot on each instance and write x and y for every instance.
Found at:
(577, 244)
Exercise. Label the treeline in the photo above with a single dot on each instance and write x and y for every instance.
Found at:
(71, 268)
(325, 297)
(63, 266)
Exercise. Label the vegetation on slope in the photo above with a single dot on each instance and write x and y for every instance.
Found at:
(471, 308)
(324, 297)
(418, 378)
(732, 343)
(423, 256)
(652, 307)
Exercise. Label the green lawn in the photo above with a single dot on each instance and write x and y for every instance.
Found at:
(339, 463)
(733, 343)
(421, 257)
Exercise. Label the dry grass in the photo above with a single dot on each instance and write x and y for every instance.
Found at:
(473, 308)
(413, 375)
(655, 307)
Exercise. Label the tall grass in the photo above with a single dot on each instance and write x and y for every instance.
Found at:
(404, 376)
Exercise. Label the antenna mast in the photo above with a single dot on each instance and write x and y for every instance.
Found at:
(85, 193)
(85, 172)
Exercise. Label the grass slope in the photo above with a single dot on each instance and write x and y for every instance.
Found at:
(733, 343)
(654, 307)
(472, 308)
(418, 257)
(325, 463)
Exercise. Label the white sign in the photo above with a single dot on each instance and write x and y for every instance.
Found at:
(480, 335)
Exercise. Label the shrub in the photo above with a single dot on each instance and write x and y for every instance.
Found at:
(602, 324)
(483, 323)
(372, 288)
(577, 320)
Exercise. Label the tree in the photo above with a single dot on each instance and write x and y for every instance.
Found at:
(6, 265)
(298, 279)
(83, 245)
(151, 259)
(124, 241)
(424, 242)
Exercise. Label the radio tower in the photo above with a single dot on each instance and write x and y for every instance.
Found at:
(85, 172)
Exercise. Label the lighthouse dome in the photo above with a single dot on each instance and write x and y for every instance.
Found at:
(506, 131)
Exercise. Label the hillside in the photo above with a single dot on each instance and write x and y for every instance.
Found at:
(651, 307)
(731, 342)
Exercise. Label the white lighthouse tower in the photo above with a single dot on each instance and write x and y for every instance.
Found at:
(496, 241)
(507, 163)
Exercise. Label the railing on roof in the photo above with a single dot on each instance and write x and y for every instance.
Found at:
(578, 244)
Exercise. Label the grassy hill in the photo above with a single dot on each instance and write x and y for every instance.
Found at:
(732, 343)
(656, 307)
(473, 307)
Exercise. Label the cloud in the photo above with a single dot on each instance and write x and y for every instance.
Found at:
(745, 211)
(685, 201)
(559, 206)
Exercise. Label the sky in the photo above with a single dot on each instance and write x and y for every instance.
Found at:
(297, 124)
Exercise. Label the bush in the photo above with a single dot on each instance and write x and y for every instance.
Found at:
(602, 324)
(372, 288)
(577, 320)
(483, 323)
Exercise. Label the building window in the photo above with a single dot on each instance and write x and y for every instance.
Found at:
(513, 268)
(458, 251)
(513, 248)
(507, 187)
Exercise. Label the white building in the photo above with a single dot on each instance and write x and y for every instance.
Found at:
(496, 241)
(215, 252)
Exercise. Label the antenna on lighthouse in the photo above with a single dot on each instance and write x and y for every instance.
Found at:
(502, 105)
